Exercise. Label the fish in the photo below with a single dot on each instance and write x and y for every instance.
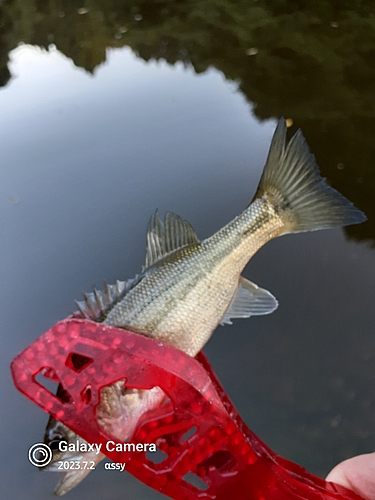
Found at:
(188, 287)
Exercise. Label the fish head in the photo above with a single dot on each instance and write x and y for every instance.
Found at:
(118, 413)
(56, 433)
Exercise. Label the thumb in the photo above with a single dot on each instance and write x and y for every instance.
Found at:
(356, 474)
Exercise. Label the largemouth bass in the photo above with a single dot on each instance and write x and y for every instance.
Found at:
(187, 286)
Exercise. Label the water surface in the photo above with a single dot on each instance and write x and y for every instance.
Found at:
(172, 110)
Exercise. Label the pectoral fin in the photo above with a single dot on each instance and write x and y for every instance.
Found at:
(249, 300)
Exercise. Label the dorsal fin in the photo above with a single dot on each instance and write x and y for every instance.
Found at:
(163, 239)
(96, 305)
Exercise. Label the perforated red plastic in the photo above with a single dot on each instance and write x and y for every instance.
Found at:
(209, 451)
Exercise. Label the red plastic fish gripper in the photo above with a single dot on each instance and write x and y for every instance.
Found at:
(199, 431)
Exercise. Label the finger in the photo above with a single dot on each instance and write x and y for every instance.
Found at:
(357, 474)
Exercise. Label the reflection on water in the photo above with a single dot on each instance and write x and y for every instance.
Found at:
(87, 159)
(316, 66)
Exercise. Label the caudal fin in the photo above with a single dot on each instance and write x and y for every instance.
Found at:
(292, 183)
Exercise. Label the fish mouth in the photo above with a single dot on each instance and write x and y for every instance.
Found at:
(73, 477)
(57, 463)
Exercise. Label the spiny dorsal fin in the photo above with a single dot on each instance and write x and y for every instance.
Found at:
(96, 305)
(249, 300)
(163, 239)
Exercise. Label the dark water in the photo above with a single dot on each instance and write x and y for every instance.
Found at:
(163, 105)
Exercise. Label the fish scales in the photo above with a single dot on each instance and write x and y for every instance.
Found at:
(188, 287)
(193, 288)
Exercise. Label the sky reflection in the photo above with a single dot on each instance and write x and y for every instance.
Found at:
(86, 160)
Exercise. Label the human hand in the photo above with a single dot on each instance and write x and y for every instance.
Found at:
(356, 474)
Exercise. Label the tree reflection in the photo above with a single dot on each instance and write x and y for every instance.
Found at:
(313, 62)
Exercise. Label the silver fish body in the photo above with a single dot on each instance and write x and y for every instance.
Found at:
(182, 297)
(188, 287)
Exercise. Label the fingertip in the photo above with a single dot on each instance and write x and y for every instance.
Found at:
(338, 476)
(356, 474)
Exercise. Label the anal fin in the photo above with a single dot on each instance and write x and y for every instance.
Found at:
(249, 300)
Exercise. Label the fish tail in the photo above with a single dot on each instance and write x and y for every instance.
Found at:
(291, 181)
